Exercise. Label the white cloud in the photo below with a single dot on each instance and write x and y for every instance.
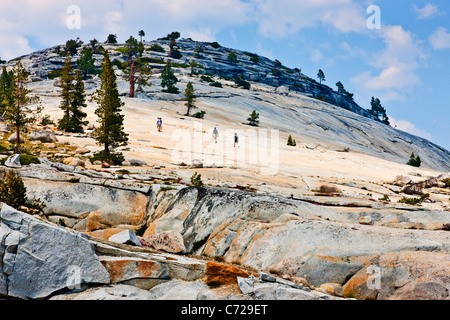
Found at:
(204, 35)
(405, 125)
(45, 21)
(283, 18)
(427, 12)
(440, 39)
(397, 63)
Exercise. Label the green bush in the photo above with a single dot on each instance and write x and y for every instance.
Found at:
(12, 189)
(242, 83)
(156, 48)
(112, 158)
(196, 180)
(27, 159)
(414, 201)
(215, 45)
(447, 182)
(291, 142)
(54, 74)
(206, 79)
(414, 161)
(200, 115)
(216, 84)
(176, 54)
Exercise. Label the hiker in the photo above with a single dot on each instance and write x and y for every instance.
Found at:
(215, 134)
(236, 140)
(159, 124)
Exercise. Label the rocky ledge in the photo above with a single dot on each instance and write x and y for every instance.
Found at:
(110, 238)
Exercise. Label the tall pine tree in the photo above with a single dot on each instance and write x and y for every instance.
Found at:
(110, 134)
(6, 80)
(169, 80)
(78, 102)
(67, 78)
(73, 98)
(19, 112)
(189, 96)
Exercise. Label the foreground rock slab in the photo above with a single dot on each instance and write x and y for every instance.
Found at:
(39, 259)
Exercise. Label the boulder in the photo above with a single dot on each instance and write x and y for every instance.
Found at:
(179, 290)
(13, 161)
(402, 180)
(13, 138)
(328, 189)
(126, 237)
(43, 136)
(82, 151)
(282, 90)
(170, 241)
(367, 220)
(40, 259)
(197, 164)
(75, 162)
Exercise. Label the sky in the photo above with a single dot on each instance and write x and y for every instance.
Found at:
(397, 51)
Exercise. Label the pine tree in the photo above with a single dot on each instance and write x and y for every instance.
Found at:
(232, 57)
(291, 142)
(133, 50)
(414, 161)
(19, 113)
(6, 80)
(78, 102)
(169, 79)
(253, 120)
(86, 63)
(110, 134)
(378, 111)
(321, 76)
(112, 38)
(190, 98)
(141, 34)
(73, 98)
(67, 78)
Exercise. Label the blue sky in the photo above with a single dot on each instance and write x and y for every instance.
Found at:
(405, 63)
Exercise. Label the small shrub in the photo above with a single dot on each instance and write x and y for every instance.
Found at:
(414, 161)
(447, 182)
(114, 158)
(46, 120)
(242, 83)
(176, 54)
(151, 60)
(216, 84)
(12, 189)
(414, 201)
(27, 159)
(200, 115)
(156, 48)
(196, 180)
(385, 198)
(215, 45)
(253, 120)
(54, 74)
(206, 78)
(291, 142)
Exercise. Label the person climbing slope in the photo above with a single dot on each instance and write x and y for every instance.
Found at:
(236, 140)
(159, 124)
(215, 134)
